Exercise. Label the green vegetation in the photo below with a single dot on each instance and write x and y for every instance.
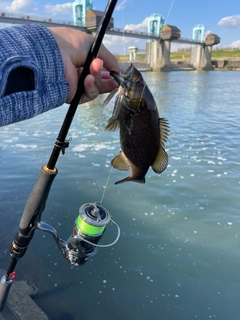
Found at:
(226, 54)
(181, 55)
(124, 58)
(185, 54)
(216, 54)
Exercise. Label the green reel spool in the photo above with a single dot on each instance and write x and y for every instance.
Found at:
(92, 220)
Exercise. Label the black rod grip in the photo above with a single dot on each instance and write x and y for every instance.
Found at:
(37, 200)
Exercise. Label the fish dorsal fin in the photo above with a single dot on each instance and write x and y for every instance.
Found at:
(164, 130)
(120, 162)
(161, 161)
(109, 97)
(113, 124)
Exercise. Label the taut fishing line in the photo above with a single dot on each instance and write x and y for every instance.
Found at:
(169, 11)
(110, 172)
(145, 83)
(124, 44)
(105, 187)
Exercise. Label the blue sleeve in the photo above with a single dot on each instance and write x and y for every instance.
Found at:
(31, 46)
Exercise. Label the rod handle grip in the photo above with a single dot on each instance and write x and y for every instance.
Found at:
(37, 200)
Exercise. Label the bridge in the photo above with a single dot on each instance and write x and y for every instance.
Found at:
(189, 41)
(157, 50)
(48, 22)
(18, 19)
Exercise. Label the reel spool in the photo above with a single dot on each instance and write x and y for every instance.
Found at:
(88, 229)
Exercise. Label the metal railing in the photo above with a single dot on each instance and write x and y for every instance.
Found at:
(117, 31)
(32, 18)
(21, 17)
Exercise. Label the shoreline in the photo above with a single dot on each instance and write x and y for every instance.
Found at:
(183, 65)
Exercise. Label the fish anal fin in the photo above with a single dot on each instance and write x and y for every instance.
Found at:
(161, 161)
(113, 124)
(120, 162)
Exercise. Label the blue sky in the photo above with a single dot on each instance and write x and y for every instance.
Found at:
(218, 16)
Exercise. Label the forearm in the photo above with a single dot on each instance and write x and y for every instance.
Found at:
(32, 47)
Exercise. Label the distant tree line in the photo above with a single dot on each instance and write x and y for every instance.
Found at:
(187, 49)
(225, 48)
(184, 49)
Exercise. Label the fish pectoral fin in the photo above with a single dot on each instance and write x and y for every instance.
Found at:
(120, 162)
(161, 161)
(109, 97)
(113, 124)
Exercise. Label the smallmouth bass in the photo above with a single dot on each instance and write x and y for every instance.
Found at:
(142, 133)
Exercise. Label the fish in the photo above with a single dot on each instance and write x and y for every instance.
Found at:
(143, 133)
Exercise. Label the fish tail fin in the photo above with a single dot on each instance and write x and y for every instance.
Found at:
(139, 180)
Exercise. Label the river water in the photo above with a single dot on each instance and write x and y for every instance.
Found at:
(178, 256)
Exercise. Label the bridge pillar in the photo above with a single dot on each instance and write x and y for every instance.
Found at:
(163, 48)
(201, 57)
(132, 53)
(207, 61)
(158, 55)
(153, 52)
(165, 63)
(196, 57)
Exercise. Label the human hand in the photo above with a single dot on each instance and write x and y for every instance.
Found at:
(74, 46)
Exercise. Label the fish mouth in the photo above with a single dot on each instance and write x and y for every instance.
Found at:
(117, 77)
(122, 76)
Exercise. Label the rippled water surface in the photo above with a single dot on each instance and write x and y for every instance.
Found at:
(178, 256)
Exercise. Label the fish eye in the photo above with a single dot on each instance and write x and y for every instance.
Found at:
(139, 82)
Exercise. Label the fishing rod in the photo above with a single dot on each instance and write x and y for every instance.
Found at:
(91, 222)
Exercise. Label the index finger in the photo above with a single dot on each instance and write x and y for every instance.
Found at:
(109, 61)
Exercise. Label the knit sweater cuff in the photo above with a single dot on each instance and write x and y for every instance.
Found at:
(31, 46)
